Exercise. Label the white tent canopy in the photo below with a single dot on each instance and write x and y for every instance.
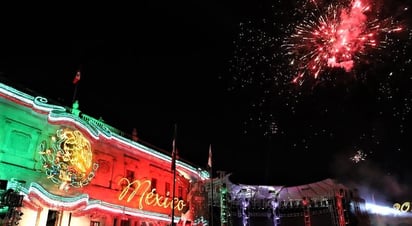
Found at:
(315, 191)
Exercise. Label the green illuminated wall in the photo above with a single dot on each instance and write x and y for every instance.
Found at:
(21, 131)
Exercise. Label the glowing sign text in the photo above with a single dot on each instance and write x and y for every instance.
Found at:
(405, 207)
(147, 196)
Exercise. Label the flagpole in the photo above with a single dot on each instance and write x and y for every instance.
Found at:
(173, 196)
(174, 154)
(75, 92)
(211, 182)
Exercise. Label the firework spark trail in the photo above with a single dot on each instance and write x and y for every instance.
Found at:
(265, 49)
(335, 38)
(359, 156)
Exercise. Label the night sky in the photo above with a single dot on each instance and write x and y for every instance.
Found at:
(222, 72)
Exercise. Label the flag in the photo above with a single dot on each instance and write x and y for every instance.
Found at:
(174, 151)
(209, 160)
(76, 78)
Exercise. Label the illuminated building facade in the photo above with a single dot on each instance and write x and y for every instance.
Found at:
(59, 166)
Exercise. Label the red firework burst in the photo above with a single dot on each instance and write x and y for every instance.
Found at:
(336, 38)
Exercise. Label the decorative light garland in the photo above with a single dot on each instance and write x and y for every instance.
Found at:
(68, 162)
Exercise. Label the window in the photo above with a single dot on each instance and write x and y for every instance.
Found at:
(180, 192)
(167, 189)
(94, 223)
(125, 222)
(154, 184)
(130, 175)
(52, 217)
